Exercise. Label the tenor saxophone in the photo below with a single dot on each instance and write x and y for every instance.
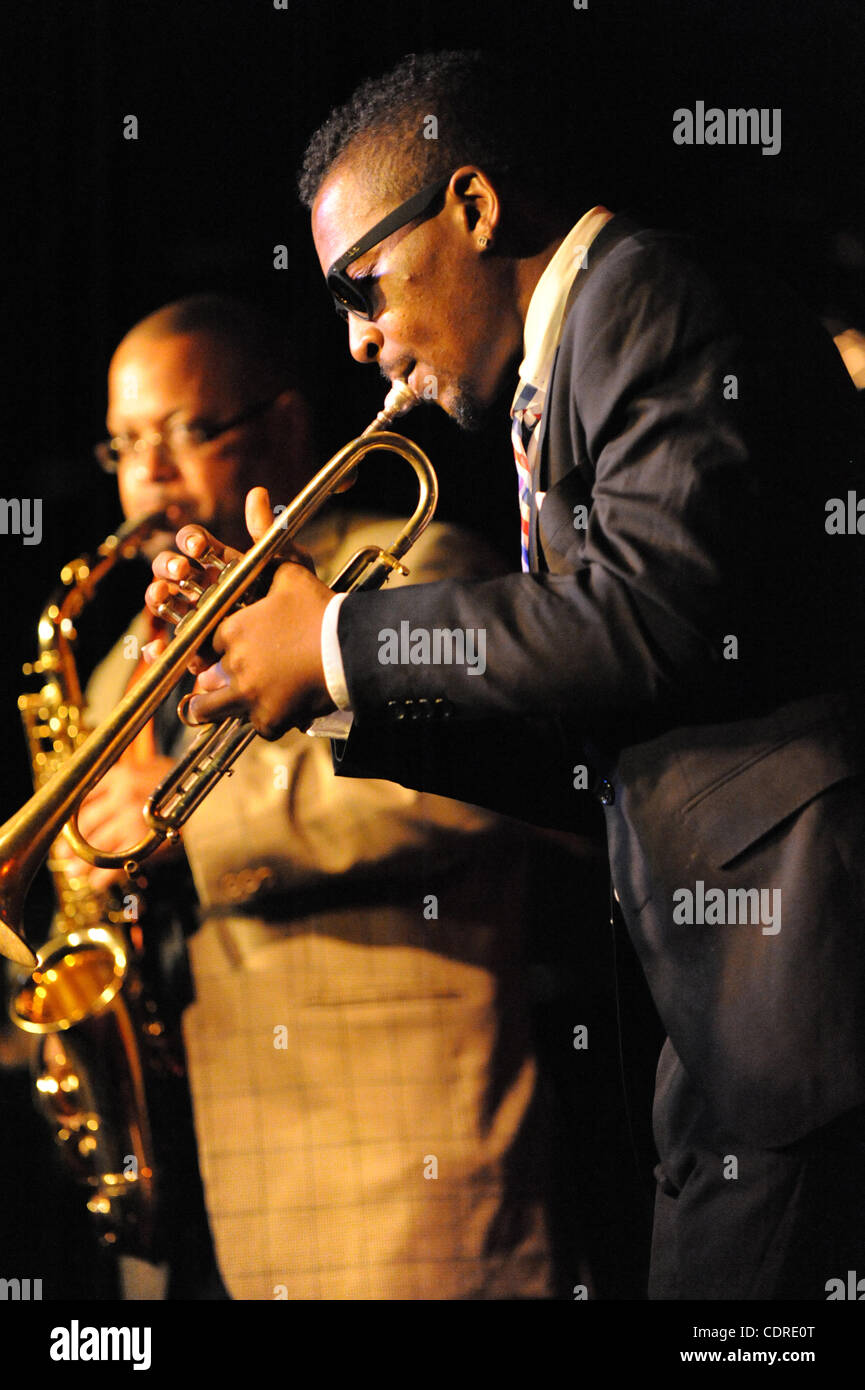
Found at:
(103, 1048)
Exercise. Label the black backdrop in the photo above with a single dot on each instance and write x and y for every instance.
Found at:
(104, 229)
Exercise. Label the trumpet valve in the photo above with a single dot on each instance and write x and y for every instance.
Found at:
(191, 589)
(169, 611)
(212, 561)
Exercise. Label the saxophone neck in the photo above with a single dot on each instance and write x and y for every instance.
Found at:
(79, 579)
(53, 715)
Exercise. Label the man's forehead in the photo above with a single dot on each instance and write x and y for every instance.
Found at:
(145, 367)
(344, 209)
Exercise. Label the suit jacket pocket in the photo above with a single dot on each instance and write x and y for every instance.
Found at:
(774, 781)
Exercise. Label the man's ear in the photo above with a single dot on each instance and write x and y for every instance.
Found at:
(475, 200)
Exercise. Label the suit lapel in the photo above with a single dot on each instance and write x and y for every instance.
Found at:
(616, 230)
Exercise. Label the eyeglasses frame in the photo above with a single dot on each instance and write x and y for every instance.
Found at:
(110, 464)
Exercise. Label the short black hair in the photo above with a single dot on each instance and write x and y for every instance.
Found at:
(436, 111)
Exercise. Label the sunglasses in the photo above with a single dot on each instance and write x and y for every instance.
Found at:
(352, 295)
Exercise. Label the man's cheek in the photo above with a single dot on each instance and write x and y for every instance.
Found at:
(129, 499)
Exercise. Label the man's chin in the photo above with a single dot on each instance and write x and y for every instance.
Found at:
(169, 522)
(466, 409)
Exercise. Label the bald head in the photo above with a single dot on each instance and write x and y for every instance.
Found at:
(251, 343)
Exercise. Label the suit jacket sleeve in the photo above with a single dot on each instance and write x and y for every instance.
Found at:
(676, 419)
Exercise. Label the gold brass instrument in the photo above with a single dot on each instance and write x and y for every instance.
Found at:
(101, 1042)
(26, 836)
(52, 716)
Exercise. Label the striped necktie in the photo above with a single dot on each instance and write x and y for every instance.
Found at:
(527, 411)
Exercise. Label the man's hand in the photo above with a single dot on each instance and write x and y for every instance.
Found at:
(270, 652)
(110, 819)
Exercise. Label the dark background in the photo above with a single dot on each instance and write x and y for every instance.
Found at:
(103, 230)
(226, 92)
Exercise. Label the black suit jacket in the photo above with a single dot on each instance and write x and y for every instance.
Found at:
(698, 643)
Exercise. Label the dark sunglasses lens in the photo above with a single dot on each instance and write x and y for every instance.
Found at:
(348, 295)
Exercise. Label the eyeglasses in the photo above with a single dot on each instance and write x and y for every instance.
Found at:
(353, 295)
(177, 438)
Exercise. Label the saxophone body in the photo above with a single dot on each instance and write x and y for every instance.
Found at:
(103, 1050)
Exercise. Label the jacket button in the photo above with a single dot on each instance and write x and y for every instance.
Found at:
(605, 793)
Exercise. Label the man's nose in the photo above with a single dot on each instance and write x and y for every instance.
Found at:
(364, 339)
(153, 459)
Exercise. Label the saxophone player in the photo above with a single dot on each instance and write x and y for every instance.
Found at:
(362, 1073)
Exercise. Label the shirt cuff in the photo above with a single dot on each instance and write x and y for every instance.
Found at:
(331, 656)
(338, 724)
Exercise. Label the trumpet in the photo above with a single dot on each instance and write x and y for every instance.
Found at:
(26, 837)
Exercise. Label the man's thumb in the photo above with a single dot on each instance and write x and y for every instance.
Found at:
(259, 517)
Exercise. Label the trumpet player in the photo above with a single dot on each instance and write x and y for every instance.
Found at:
(362, 1074)
(688, 624)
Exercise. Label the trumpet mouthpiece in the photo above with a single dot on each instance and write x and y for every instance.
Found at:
(398, 400)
